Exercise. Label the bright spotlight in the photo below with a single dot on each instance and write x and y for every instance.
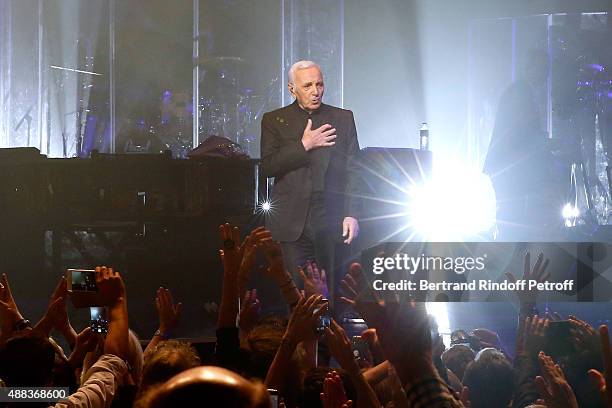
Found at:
(458, 202)
(439, 312)
(570, 214)
(266, 206)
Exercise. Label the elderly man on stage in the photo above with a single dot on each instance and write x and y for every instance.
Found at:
(310, 149)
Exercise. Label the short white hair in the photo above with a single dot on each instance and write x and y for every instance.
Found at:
(300, 65)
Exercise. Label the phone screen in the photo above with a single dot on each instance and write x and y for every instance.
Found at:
(325, 318)
(83, 280)
(99, 319)
(273, 397)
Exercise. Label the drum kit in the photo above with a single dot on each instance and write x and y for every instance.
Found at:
(225, 108)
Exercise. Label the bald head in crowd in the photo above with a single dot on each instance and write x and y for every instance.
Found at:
(210, 386)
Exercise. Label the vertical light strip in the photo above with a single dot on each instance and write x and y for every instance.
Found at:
(3, 16)
(196, 74)
(513, 49)
(9, 76)
(39, 125)
(471, 137)
(549, 79)
(342, 53)
(112, 26)
(282, 65)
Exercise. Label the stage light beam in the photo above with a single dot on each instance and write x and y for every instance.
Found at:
(456, 203)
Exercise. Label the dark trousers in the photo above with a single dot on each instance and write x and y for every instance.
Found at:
(316, 243)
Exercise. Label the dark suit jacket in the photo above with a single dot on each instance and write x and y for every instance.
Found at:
(283, 157)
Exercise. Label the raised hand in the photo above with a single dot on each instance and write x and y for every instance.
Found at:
(333, 395)
(6, 296)
(603, 381)
(315, 280)
(274, 255)
(370, 336)
(277, 271)
(168, 312)
(304, 320)
(405, 337)
(352, 284)
(56, 315)
(302, 327)
(534, 335)
(584, 336)
(359, 295)
(248, 251)
(231, 257)
(537, 273)
(553, 386)
(340, 347)
(86, 341)
(322, 136)
(249, 312)
(110, 285)
(111, 291)
(9, 312)
(231, 253)
(62, 322)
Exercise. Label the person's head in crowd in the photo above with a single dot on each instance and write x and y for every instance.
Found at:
(490, 379)
(27, 360)
(457, 358)
(461, 336)
(166, 360)
(135, 358)
(209, 386)
(261, 343)
(313, 386)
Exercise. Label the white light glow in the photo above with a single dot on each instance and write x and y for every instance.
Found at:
(439, 312)
(570, 214)
(456, 203)
(570, 211)
(266, 206)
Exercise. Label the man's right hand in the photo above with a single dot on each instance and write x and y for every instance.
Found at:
(320, 137)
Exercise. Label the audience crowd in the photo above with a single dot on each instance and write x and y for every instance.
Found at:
(295, 360)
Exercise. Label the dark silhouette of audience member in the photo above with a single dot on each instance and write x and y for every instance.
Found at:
(490, 380)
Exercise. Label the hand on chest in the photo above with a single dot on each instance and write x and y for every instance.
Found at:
(293, 128)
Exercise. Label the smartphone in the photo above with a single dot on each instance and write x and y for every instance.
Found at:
(273, 397)
(82, 288)
(558, 340)
(361, 350)
(325, 318)
(99, 319)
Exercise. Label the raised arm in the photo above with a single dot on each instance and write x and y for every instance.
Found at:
(112, 293)
(301, 327)
(340, 347)
(168, 314)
